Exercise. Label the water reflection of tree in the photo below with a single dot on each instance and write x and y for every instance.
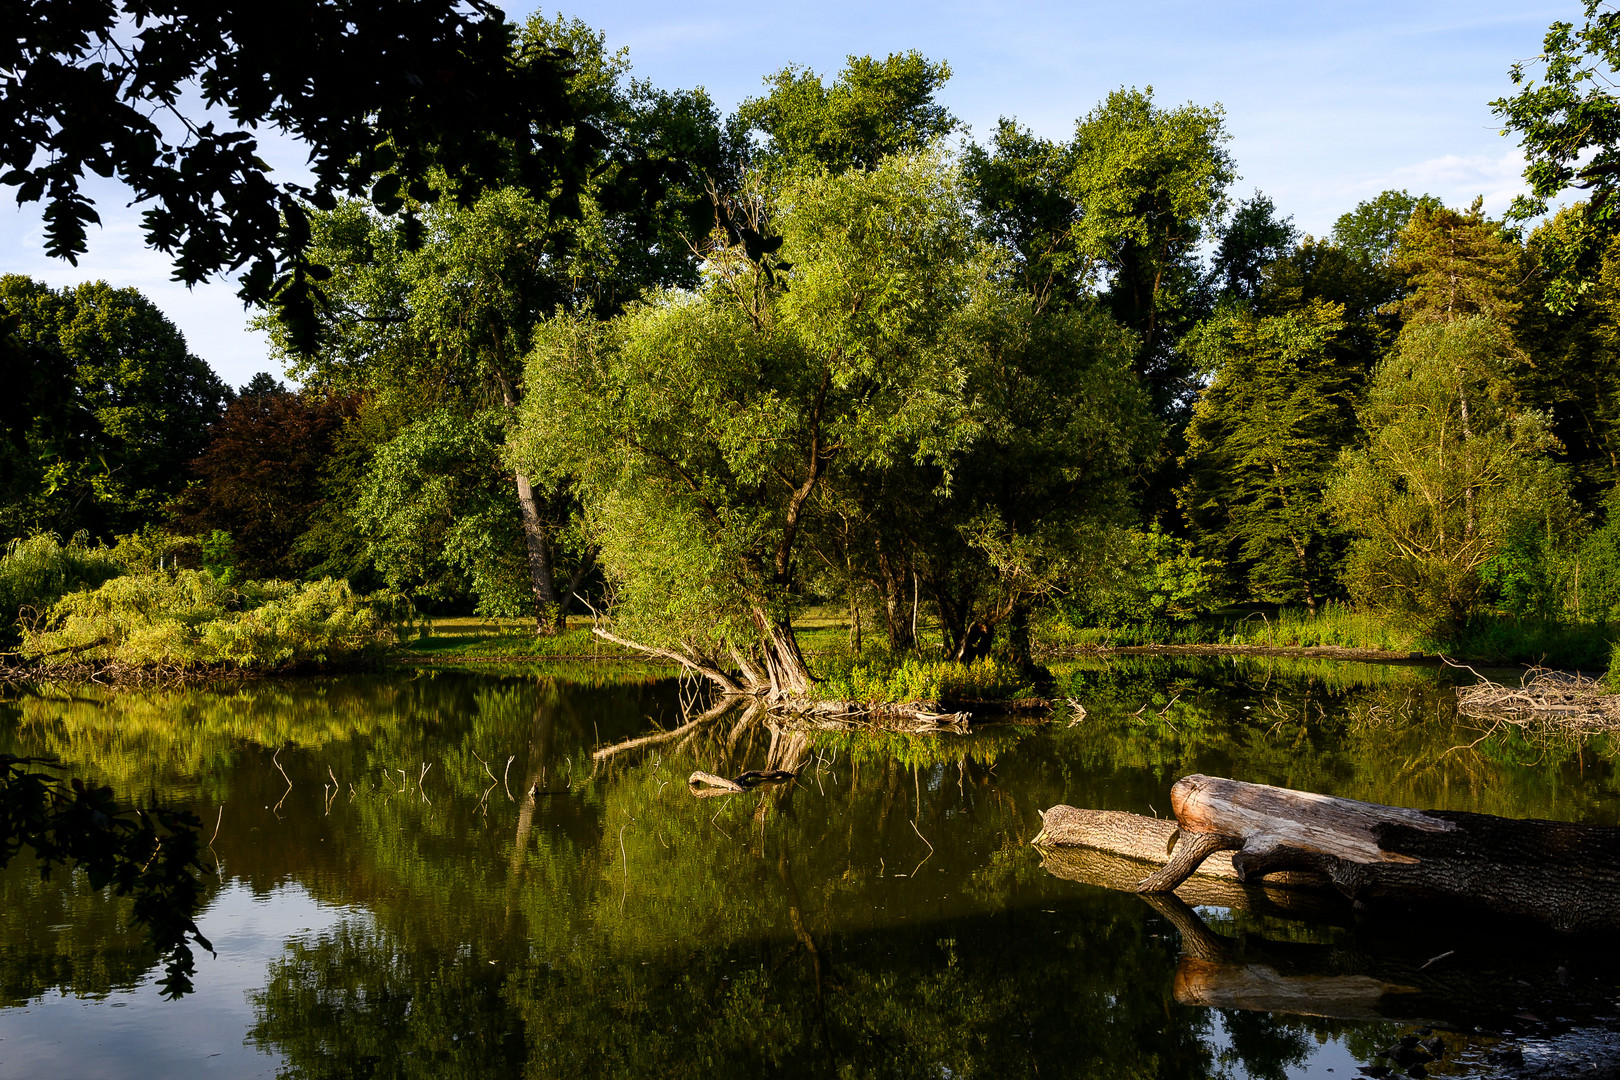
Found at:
(750, 934)
(633, 927)
(1385, 734)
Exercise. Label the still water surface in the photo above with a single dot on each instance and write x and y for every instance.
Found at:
(390, 901)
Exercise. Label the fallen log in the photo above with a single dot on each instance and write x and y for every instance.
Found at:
(1149, 840)
(1300, 951)
(1564, 875)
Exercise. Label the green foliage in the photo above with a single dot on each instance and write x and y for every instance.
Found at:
(219, 557)
(81, 89)
(190, 619)
(873, 109)
(1452, 462)
(1597, 569)
(154, 548)
(38, 571)
(1568, 125)
(1457, 265)
(1254, 237)
(1151, 183)
(574, 642)
(1527, 576)
(1371, 230)
(438, 517)
(700, 425)
(1146, 576)
(1024, 205)
(432, 319)
(1262, 444)
(1571, 366)
(113, 408)
(1334, 625)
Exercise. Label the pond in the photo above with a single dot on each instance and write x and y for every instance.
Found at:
(391, 900)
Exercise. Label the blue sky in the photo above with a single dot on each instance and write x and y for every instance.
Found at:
(1327, 103)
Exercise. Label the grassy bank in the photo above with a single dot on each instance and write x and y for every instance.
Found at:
(1489, 640)
(467, 639)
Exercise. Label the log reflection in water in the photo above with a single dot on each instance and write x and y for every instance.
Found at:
(1464, 974)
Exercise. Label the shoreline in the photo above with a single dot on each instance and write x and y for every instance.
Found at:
(1324, 652)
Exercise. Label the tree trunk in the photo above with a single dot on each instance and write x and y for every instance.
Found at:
(896, 614)
(1018, 647)
(855, 621)
(697, 665)
(548, 608)
(1441, 971)
(1564, 875)
(1147, 841)
(548, 611)
(784, 664)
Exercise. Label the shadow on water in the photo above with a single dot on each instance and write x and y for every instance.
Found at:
(506, 900)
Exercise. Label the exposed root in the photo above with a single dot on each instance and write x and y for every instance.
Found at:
(909, 717)
(912, 718)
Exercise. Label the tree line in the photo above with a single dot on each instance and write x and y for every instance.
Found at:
(830, 348)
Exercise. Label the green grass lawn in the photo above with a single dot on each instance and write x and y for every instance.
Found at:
(465, 638)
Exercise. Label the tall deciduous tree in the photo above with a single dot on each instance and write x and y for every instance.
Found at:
(874, 108)
(118, 408)
(1371, 230)
(1253, 238)
(1023, 203)
(441, 323)
(701, 426)
(1571, 366)
(1568, 124)
(1124, 206)
(1150, 184)
(1451, 463)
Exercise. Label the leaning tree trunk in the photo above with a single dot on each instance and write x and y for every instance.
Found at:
(548, 608)
(1564, 875)
(785, 668)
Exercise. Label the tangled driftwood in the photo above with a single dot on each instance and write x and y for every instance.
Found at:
(1543, 698)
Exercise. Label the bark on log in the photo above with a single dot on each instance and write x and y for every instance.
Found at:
(1150, 840)
(1564, 875)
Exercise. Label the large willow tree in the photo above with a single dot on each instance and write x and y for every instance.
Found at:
(712, 431)
(701, 424)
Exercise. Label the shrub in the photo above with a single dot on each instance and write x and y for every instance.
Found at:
(189, 618)
(38, 571)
